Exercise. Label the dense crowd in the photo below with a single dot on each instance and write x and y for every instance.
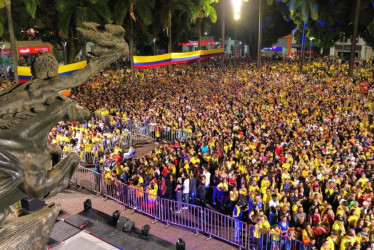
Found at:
(290, 153)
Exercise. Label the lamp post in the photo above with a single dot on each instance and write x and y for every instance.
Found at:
(154, 46)
(64, 43)
(310, 51)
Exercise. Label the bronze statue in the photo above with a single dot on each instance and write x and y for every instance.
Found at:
(29, 111)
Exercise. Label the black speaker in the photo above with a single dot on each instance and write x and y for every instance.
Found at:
(121, 222)
(129, 225)
(87, 205)
(115, 217)
(30, 204)
(180, 245)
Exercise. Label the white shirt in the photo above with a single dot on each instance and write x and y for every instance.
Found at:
(186, 186)
(273, 203)
(207, 179)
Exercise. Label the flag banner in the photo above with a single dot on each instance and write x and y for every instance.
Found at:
(24, 73)
(141, 62)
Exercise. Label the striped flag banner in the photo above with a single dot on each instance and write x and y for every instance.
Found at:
(141, 62)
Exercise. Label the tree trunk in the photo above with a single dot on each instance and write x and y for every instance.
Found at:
(354, 37)
(223, 20)
(199, 34)
(70, 47)
(132, 44)
(13, 41)
(302, 49)
(84, 52)
(259, 45)
(170, 45)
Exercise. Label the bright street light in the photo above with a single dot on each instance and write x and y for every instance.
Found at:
(237, 4)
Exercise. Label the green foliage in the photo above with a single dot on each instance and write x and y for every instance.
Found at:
(204, 8)
(143, 10)
(31, 6)
(73, 13)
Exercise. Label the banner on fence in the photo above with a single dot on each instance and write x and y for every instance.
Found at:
(174, 58)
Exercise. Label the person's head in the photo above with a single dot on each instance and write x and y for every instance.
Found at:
(334, 234)
(301, 219)
(262, 218)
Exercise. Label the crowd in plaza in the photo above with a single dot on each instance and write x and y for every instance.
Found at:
(290, 153)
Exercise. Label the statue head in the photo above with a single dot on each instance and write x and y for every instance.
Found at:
(44, 66)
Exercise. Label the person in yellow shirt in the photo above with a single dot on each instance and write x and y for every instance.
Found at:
(260, 231)
(234, 196)
(348, 241)
(243, 189)
(333, 240)
(326, 246)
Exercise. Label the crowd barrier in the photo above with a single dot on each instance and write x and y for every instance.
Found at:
(140, 131)
(196, 218)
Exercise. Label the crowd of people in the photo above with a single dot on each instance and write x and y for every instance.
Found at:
(290, 153)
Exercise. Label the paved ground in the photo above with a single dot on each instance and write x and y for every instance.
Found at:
(72, 203)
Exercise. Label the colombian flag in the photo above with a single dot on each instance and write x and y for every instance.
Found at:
(174, 58)
(24, 73)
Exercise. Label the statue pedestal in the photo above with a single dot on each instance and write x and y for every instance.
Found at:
(30, 204)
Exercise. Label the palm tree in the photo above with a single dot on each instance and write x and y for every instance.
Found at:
(165, 15)
(203, 8)
(168, 7)
(12, 38)
(73, 14)
(31, 6)
(305, 9)
(136, 8)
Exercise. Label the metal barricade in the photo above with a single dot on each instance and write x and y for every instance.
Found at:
(143, 202)
(88, 179)
(182, 214)
(270, 240)
(185, 215)
(226, 228)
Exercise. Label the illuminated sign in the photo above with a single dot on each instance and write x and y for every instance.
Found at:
(203, 43)
(274, 48)
(5, 52)
(33, 50)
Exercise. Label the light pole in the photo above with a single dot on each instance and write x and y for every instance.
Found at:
(64, 43)
(310, 51)
(154, 46)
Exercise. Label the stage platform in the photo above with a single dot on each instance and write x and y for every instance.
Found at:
(99, 234)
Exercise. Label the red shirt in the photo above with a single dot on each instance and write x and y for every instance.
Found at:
(278, 150)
